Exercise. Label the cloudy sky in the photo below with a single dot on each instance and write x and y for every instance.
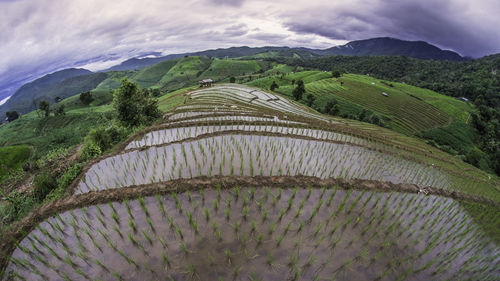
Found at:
(41, 36)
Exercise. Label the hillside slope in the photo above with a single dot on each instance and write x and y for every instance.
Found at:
(60, 84)
(239, 183)
(386, 46)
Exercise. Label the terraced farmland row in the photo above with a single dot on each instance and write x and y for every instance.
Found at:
(261, 233)
(409, 114)
(363, 225)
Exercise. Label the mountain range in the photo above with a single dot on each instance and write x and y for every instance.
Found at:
(64, 83)
(383, 46)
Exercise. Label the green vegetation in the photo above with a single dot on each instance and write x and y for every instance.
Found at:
(12, 158)
(475, 80)
(44, 184)
(151, 76)
(86, 98)
(134, 107)
(11, 115)
(299, 90)
(63, 84)
(251, 231)
(44, 106)
(49, 133)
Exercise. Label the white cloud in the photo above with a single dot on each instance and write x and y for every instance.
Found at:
(4, 100)
(40, 36)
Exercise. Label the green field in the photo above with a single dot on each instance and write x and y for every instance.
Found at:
(47, 133)
(407, 109)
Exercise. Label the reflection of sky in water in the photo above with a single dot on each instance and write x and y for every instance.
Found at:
(410, 221)
(250, 155)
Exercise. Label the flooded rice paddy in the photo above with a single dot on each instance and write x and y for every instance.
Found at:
(252, 155)
(261, 234)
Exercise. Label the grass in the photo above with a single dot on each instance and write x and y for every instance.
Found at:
(150, 76)
(48, 133)
(221, 69)
(101, 103)
(169, 101)
(12, 158)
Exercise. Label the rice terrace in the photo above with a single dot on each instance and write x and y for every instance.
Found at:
(245, 140)
(237, 183)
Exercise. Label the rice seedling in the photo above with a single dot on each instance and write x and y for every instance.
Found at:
(336, 231)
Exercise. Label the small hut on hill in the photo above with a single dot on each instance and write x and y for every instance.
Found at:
(206, 83)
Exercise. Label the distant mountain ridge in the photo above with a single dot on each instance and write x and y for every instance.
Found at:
(382, 46)
(232, 52)
(47, 87)
(387, 46)
(63, 83)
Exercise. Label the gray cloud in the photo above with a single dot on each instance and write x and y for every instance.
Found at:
(468, 28)
(43, 36)
(235, 3)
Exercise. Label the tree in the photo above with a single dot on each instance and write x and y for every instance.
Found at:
(12, 115)
(134, 107)
(232, 79)
(335, 110)
(363, 115)
(58, 111)
(86, 98)
(155, 93)
(332, 107)
(310, 99)
(274, 86)
(44, 106)
(336, 74)
(299, 91)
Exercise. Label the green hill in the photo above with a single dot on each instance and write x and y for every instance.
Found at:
(386, 46)
(222, 69)
(151, 75)
(48, 133)
(62, 84)
(113, 80)
(406, 109)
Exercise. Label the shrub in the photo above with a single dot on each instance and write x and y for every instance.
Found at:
(155, 93)
(310, 99)
(44, 106)
(106, 137)
(299, 91)
(477, 158)
(90, 150)
(44, 184)
(336, 74)
(377, 120)
(12, 115)
(64, 181)
(59, 110)
(86, 98)
(274, 86)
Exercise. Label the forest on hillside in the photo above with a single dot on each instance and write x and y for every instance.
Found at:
(476, 80)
